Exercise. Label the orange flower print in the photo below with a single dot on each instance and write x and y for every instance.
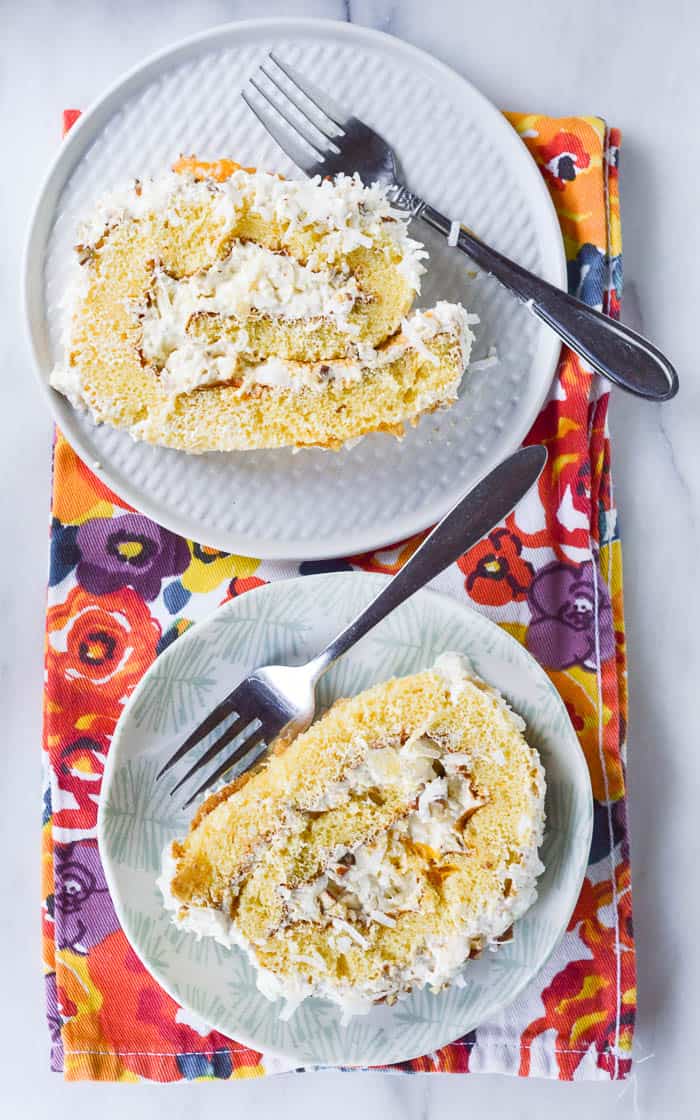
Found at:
(85, 495)
(570, 154)
(578, 689)
(386, 560)
(96, 652)
(146, 1028)
(239, 586)
(565, 483)
(495, 570)
(78, 767)
(561, 159)
(591, 1002)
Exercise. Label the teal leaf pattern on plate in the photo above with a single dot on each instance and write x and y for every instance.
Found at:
(264, 630)
(178, 687)
(139, 816)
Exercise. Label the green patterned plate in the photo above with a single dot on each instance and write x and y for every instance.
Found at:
(291, 620)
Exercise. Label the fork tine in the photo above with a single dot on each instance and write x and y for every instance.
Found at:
(215, 717)
(241, 750)
(318, 99)
(228, 736)
(314, 142)
(286, 139)
(299, 105)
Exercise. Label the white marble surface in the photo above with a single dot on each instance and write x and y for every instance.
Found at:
(638, 63)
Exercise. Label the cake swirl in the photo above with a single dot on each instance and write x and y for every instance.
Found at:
(376, 854)
(216, 308)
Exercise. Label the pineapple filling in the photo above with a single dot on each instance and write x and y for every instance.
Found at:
(373, 882)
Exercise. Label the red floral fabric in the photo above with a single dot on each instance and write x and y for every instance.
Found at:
(121, 589)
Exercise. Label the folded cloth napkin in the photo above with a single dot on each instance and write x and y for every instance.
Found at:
(550, 575)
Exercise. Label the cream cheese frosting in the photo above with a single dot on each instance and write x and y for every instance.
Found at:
(250, 279)
(192, 363)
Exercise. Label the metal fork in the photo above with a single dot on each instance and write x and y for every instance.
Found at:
(277, 702)
(323, 139)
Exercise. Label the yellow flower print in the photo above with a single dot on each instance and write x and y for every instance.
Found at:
(208, 568)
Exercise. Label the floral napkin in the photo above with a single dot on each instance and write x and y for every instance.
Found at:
(121, 589)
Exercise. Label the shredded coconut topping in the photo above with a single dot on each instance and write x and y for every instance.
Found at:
(344, 212)
(192, 363)
(252, 280)
(372, 884)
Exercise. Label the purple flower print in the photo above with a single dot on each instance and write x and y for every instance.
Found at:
(55, 1020)
(562, 631)
(52, 1011)
(128, 551)
(82, 908)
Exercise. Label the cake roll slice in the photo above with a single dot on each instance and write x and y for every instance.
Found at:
(216, 308)
(375, 854)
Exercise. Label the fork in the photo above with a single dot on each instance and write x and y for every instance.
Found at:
(323, 139)
(277, 702)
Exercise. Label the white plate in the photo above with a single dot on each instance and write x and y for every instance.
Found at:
(457, 150)
(289, 621)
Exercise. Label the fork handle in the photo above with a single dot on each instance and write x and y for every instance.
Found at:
(467, 522)
(620, 354)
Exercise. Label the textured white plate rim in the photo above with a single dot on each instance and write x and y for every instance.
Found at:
(576, 873)
(68, 155)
